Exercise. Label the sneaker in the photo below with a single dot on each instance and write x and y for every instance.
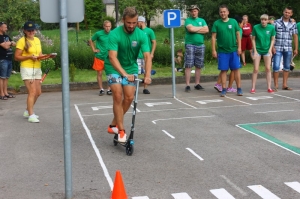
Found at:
(252, 91)
(231, 90)
(198, 87)
(101, 92)
(108, 92)
(218, 87)
(112, 129)
(187, 89)
(122, 136)
(270, 91)
(32, 118)
(26, 114)
(239, 92)
(146, 91)
(223, 93)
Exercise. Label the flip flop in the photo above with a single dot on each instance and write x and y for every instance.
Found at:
(10, 96)
(287, 88)
(3, 98)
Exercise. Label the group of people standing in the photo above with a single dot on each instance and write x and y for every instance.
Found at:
(230, 40)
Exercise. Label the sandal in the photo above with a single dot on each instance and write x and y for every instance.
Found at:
(275, 89)
(10, 96)
(3, 97)
(287, 88)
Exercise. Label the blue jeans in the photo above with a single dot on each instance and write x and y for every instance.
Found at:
(287, 57)
(5, 68)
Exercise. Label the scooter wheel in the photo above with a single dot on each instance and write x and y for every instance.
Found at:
(129, 150)
(115, 138)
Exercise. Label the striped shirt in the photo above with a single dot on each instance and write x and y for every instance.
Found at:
(284, 35)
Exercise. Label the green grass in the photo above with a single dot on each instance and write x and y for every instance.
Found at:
(85, 75)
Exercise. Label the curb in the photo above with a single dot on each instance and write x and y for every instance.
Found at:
(77, 86)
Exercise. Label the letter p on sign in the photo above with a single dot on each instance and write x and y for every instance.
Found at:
(172, 18)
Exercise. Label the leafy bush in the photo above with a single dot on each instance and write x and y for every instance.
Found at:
(48, 63)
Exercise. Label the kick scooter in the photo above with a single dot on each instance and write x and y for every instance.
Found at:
(129, 143)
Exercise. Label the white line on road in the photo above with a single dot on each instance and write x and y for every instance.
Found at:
(238, 100)
(195, 154)
(140, 197)
(185, 103)
(154, 121)
(221, 194)
(181, 196)
(294, 185)
(137, 110)
(105, 171)
(263, 192)
(168, 134)
(242, 192)
(274, 111)
(287, 97)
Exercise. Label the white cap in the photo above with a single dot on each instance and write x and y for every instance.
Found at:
(142, 19)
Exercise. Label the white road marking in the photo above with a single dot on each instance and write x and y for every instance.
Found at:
(242, 192)
(263, 192)
(287, 97)
(105, 171)
(274, 111)
(195, 154)
(137, 110)
(157, 104)
(238, 100)
(168, 134)
(185, 103)
(97, 108)
(221, 194)
(294, 185)
(154, 121)
(259, 98)
(182, 195)
(140, 197)
(209, 101)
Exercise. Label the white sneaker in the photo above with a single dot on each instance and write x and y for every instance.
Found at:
(26, 114)
(32, 118)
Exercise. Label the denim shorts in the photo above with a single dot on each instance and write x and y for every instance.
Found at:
(287, 58)
(194, 56)
(5, 68)
(228, 61)
(118, 79)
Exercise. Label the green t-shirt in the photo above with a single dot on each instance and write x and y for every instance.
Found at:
(298, 27)
(241, 32)
(226, 35)
(127, 47)
(263, 37)
(151, 36)
(101, 38)
(194, 38)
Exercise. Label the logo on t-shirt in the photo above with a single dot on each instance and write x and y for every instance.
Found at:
(267, 32)
(229, 26)
(134, 43)
(200, 23)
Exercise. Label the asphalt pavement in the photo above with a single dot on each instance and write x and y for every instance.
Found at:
(191, 145)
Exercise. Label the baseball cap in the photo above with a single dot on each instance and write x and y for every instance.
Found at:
(142, 19)
(192, 7)
(29, 25)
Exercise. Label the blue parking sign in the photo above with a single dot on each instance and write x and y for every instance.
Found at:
(172, 18)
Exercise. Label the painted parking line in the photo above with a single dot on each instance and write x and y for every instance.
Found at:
(168, 134)
(294, 185)
(221, 194)
(181, 196)
(251, 129)
(195, 154)
(263, 192)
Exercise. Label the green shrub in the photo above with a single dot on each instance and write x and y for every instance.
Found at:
(72, 72)
(48, 64)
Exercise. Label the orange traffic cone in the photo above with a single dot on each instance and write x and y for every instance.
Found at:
(119, 189)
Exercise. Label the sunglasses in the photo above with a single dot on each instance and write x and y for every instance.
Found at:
(30, 30)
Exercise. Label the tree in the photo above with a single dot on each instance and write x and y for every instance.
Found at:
(147, 8)
(93, 14)
(16, 12)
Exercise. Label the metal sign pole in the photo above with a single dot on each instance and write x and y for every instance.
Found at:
(66, 98)
(173, 63)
